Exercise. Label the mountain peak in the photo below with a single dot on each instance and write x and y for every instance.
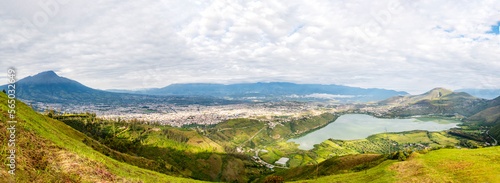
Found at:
(46, 74)
(47, 77)
(437, 92)
(440, 89)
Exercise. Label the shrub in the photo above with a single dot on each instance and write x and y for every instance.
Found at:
(274, 179)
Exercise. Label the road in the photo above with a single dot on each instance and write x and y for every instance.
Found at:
(496, 142)
(258, 160)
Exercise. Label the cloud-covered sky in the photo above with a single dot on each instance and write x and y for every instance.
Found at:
(407, 45)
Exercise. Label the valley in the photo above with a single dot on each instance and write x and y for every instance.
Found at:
(241, 141)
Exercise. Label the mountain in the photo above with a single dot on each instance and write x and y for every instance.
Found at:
(489, 115)
(430, 95)
(48, 87)
(482, 93)
(436, 101)
(277, 91)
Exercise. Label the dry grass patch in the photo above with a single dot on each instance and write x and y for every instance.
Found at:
(411, 171)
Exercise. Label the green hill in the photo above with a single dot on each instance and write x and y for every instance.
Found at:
(444, 165)
(48, 150)
(408, 99)
(168, 150)
(490, 115)
(253, 133)
(495, 132)
(438, 101)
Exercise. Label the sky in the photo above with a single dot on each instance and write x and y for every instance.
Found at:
(404, 45)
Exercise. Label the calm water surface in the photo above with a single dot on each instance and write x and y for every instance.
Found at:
(360, 126)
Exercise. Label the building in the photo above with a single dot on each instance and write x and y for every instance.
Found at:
(282, 161)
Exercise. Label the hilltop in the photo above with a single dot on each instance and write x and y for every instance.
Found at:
(438, 101)
(408, 99)
(443, 102)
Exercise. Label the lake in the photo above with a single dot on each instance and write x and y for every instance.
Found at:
(360, 126)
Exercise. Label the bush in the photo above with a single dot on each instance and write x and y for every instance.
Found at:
(274, 179)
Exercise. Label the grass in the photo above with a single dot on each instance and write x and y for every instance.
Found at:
(196, 143)
(444, 165)
(379, 173)
(173, 151)
(438, 120)
(432, 139)
(49, 151)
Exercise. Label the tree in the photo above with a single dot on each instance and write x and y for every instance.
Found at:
(4, 91)
(401, 156)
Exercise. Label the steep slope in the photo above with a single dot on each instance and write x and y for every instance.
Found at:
(48, 150)
(495, 131)
(48, 87)
(437, 101)
(334, 165)
(490, 115)
(444, 165)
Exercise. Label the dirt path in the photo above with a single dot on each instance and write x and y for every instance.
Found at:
(253, 136)
(121, 132)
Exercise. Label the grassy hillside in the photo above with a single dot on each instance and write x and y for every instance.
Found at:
(438, 101)
(254, 133)
(444, 165)
(169, 150)
(408, 99)
(495, 131)
(490, 115)
(335, 165)
(50, 151)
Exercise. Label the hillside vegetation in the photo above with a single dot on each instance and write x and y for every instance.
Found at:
(50, 151)
(444, 165)
(83, 148)
(168, 150)
(254, 133)
(438, 101)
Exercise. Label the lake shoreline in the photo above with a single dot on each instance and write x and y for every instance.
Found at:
(361, 126)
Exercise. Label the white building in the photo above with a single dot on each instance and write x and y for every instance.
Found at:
(282, 161)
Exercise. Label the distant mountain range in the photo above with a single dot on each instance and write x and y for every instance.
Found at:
(48, 87)
(274, 91)
(482, 93)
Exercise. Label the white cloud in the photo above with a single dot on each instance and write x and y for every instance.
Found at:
(404, 45)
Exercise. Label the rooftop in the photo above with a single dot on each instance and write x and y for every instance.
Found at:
(282, 161)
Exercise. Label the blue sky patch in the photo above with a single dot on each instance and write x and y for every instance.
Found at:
(494, 29)
(295, 30)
